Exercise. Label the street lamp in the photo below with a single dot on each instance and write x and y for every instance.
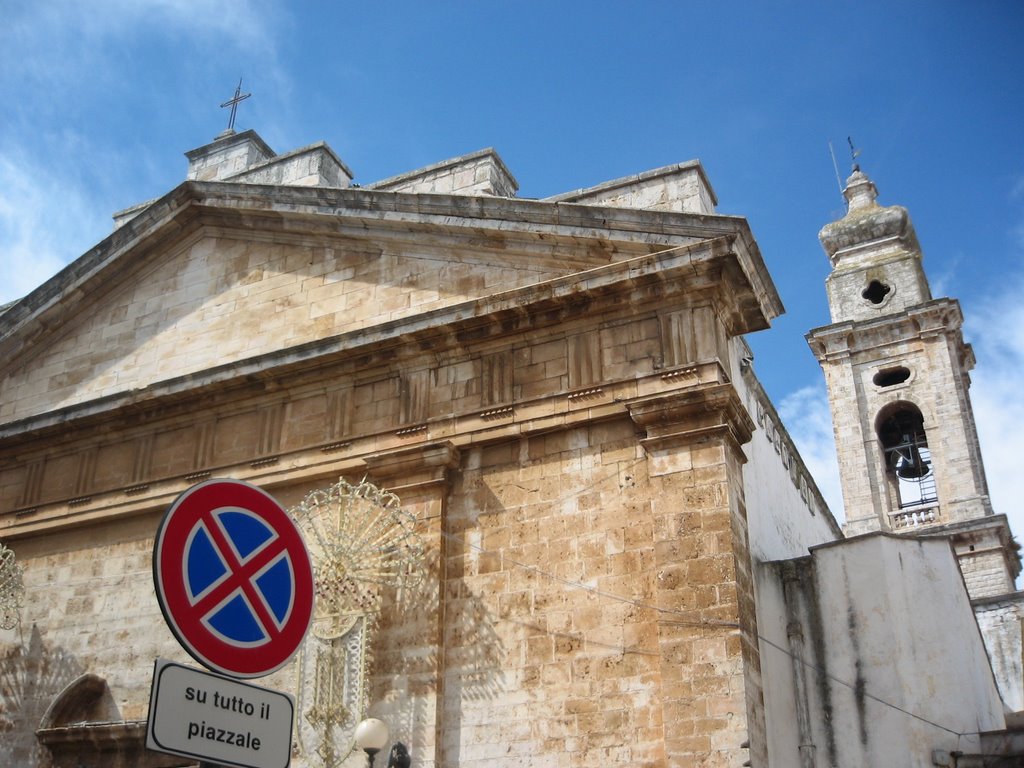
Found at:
(371, 736)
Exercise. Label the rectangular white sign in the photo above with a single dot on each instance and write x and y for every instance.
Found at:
(197, 714)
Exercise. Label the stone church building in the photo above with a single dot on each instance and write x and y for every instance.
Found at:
(584, 535)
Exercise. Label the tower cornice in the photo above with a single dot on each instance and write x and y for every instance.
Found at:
(934, 318)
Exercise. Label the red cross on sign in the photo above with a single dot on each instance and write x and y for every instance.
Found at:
(233, 578)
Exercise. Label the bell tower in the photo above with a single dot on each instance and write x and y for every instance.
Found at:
(897, 370)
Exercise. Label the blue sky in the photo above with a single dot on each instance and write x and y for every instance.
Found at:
(101, 100)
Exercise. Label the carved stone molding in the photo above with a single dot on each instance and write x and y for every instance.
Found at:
(940, 317)
(81, 729)
(692, 416)
(119, 744)
(418, 465)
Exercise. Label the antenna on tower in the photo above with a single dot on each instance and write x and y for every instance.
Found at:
(836, 166)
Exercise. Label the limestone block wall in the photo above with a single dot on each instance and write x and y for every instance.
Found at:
(85, 612)
(584, 599)
(313, 166)
(1001, 621)
(575, 461)
(593, 606)
(227, 156)
(902, 276)
(185, 313)
(92, 608)
(682, 187)
(985, 571)
(478, 173)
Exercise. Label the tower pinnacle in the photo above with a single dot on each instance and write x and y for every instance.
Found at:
(860, 191)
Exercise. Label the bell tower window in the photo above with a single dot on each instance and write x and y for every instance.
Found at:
(890, 377)
(908, 460)
(876, 292)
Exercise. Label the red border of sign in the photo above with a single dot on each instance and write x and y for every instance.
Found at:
(203, 645)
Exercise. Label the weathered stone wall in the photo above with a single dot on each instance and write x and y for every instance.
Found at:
(902, 276)
(90, 607)
(985, 571)
(222, 299)
(478, 173)
(578, 605)
(540, 527)
(928, 344)
(880, 687)
(313, 166)
(786, 516)
(554, 401)
(682, 187)
(227, 156)
(1001, 621)
(593, 604)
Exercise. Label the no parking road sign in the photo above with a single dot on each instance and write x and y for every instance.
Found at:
(233, 578)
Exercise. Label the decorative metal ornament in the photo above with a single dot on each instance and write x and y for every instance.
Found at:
(12, 589)
(361, 542)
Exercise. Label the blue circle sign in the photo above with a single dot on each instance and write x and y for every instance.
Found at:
(233, 578)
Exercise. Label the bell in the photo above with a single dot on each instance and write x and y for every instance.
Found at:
(909, 463)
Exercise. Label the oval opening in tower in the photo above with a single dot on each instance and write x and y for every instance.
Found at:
(890, 377)
(876, 292)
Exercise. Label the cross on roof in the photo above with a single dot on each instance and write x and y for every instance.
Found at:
(233, 103)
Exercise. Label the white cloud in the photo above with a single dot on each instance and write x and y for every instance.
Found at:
(43, 225)
(808, 418)
(36, 27)
(59, 63)
(996, 330)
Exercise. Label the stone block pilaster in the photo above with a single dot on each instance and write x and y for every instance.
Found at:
(407, 687)
(710, 663)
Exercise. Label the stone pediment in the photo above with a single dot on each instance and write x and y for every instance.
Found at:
(215, 273)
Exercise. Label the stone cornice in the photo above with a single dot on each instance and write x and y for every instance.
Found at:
(707, 267)
(940, 317)
(99, 736)
(693, 416)
(116, 744)
(505, 223)
(413, 467)
(419, 459)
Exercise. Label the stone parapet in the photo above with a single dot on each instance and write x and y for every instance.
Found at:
(478, 173)
(682, 187)
(227, 156)
(312, 166)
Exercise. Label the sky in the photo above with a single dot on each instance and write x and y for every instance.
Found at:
(102, 98)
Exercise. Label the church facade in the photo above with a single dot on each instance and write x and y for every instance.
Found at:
(584, 533)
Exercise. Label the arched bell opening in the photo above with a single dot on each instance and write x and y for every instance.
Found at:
(908, 459)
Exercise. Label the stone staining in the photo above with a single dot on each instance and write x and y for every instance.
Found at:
(361, 542)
